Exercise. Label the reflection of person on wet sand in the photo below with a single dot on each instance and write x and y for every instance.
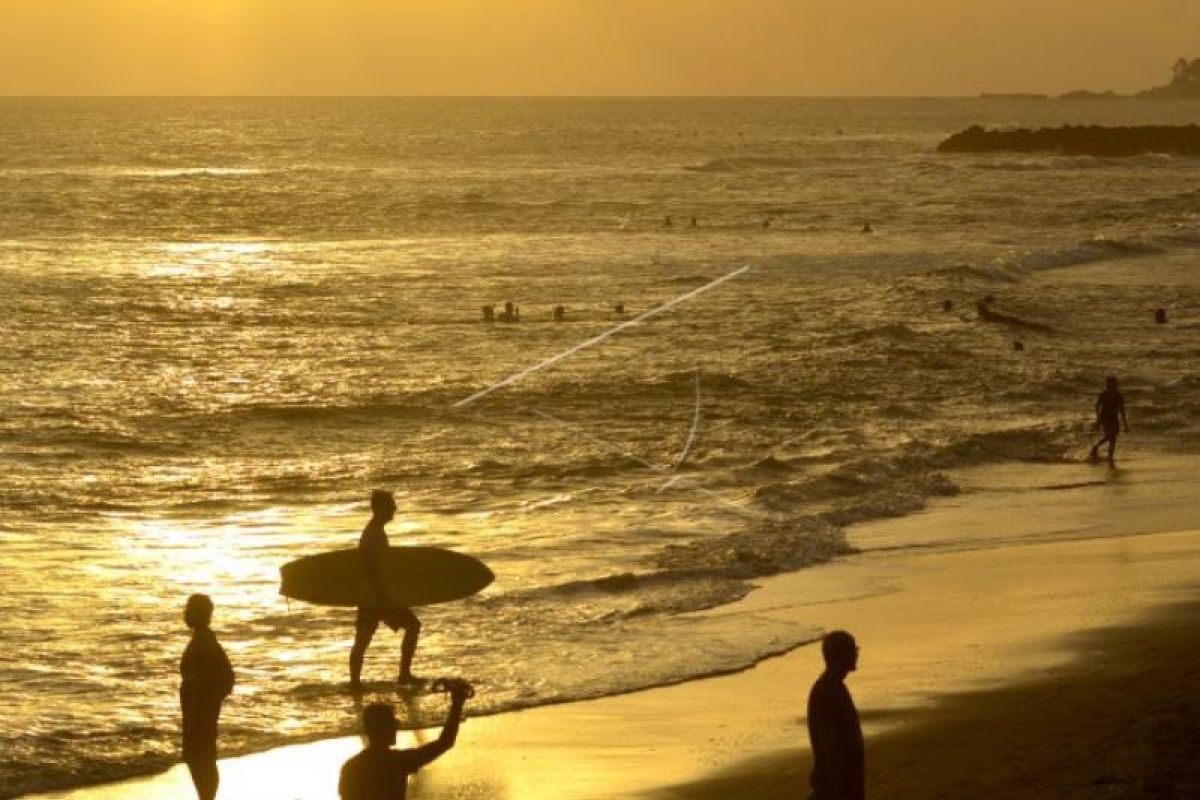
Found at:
(207, 679)
(372, 544)
(381, 772)
(833, 726)
(1110, 413)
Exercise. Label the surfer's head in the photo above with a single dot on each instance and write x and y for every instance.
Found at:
(383, 505)
(840, 651)
(198, 611)
(379, 724)
(1110, 383)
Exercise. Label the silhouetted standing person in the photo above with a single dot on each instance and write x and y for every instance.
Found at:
(373, 544)
(207, 679)
(833, 726)
(560, 313)
(381, 772)
(1110, 413)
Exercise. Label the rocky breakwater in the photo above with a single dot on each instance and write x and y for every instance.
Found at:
(1090, 140)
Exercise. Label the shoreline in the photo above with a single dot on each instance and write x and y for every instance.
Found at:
(1111, 723)
(937, 625)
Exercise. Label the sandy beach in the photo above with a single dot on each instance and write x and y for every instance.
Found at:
(1060, 664)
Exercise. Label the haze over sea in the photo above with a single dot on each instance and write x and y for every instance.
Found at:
(228, 320)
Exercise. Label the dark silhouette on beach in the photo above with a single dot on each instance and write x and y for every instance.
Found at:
(207, 679)
(381, 772)
(833, 726)
(372, 544)
(560, 313)
(489, 313)
(1110, 414)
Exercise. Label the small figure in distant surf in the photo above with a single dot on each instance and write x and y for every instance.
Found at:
(511, 313)
(489, 313)
(833, 725)
(207, 679)
(1110, 414)
(372, 543)
(619, 309)
(694, 223)
(380, 772)
(668, 222)
(866, 228)
(560, 313)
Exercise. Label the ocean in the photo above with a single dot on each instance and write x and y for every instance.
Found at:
(228, 320)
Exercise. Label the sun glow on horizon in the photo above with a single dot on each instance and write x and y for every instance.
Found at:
(584, 47)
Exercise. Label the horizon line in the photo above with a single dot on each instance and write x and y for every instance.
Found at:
(269, 96)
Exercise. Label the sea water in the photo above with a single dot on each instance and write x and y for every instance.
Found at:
(227, 321)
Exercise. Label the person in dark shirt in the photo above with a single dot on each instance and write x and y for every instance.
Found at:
(372, 544)
(833, 727)
(1110, 413)
(207, 679)
(381, 772)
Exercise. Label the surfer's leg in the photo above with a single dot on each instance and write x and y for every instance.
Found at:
(200, 750)
(205, 777)
(365, 625)
(408, 648)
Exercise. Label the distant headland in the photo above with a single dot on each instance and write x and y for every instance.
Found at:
(1094, 140)
(1184, 85)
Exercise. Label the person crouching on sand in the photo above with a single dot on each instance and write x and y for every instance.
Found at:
(373, 544)
(380, 772)
(207, 680)
(833, 726)
(1110, 413)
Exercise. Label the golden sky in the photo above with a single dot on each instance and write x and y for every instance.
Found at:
(586, 47)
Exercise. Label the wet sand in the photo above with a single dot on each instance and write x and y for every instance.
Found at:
(1033, 669)
(1122, 720)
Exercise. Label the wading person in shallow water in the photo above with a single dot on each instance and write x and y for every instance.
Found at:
(373, 544)
(1110, 413)
(207, 681)
(380, 772)
(833, 726)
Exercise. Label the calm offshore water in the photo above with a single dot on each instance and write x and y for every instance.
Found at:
(226, 321)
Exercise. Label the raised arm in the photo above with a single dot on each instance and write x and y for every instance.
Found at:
(460, 690)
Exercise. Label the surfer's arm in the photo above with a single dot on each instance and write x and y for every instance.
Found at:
(224, 672)
(420, 756)
(370, 556)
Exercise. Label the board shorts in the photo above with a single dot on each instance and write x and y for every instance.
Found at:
(1111, 427)
(397, 617)
(200, 733)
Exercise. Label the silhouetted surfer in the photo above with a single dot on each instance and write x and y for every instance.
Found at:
(833, 726)
(207, 681)
(372, 544)
(1110, 413)
(380, 772)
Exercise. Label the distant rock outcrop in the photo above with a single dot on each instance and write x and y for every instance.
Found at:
(1184, 85)
(1090, 140)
